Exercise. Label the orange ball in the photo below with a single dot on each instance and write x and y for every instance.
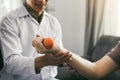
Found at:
(48, 43)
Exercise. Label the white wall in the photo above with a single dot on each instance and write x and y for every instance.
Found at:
(71, 15)
(112, 18)
(8, 5)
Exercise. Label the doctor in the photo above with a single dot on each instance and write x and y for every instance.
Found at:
(17, 30)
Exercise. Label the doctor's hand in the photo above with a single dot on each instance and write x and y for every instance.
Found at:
(52, 59)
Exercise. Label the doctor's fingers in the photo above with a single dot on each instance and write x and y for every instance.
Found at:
(63, 58)
(52, 60)
(60, 53)
(61, 61)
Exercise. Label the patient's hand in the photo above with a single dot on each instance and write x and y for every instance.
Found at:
(45, 45)
(37, 43)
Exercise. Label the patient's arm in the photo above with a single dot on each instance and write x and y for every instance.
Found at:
(95, 70)
(90, 70)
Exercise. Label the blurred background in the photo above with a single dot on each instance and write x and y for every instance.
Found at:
(83, 21)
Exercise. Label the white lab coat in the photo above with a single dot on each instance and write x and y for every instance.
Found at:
(17, 30)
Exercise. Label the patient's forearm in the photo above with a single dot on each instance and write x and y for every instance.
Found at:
(83, 66)
(96, 70)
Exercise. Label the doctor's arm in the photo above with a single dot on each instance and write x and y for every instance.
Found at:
(14, 62)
